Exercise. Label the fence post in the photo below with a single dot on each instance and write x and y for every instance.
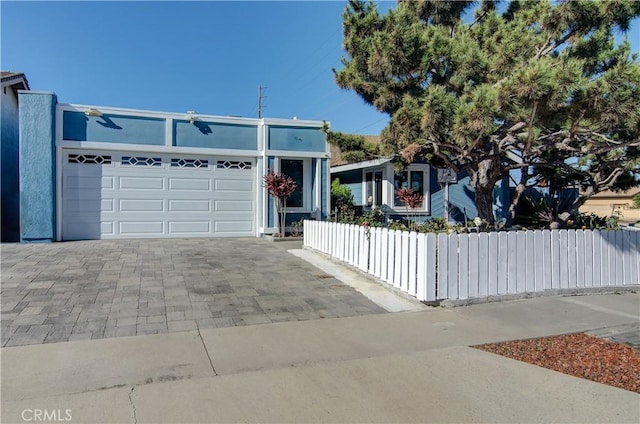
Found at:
(572, 274)
(634, 248)
(384, 256)
(421, 266)
(463, 266)
(431, 267)
(619, 264)
(363, 249)
(483, 265)
(413, 253)
(474, 269)
(391, 255)
(512, 262)
(521, 259)
(397, 275)
(443, 267)
(372, 247)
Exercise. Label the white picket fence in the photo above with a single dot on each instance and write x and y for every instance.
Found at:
(466, 266)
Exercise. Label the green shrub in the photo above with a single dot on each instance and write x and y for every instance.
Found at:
(340, 194)
(589, 221)
(437, 225)
(373, 217)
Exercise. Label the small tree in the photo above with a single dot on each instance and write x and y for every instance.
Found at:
(280, 187)
(341, 201)
(412, 200)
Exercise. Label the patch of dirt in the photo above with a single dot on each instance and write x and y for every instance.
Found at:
(580, 355)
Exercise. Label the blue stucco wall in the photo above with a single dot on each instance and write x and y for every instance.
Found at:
(461, 198)
(214, 135)
(353, 180)
(112, 128)
(37, 167)
(10, 182)
(297, 139)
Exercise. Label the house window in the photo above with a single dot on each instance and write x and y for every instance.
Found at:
(373, 188)
(295, 168)
(413, 179)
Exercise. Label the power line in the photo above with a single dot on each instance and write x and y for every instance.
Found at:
(373, 123)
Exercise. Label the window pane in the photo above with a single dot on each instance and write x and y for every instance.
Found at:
(417, 183)
(294, 168)
(378, 188)
(399, 181)
(369, 186)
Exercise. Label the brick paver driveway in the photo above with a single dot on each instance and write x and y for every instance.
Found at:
(96, 289)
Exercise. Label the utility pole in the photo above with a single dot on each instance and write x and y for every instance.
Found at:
(260, 99)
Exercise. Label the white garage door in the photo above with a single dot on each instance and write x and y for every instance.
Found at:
(133, 195)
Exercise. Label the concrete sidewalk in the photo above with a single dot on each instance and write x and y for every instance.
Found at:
(402, 367)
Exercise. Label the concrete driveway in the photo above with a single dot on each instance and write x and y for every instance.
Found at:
(98, 289)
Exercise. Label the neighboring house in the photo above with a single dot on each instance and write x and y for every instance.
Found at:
(608, 203)
(10, 183)
(95, 172)
(374, 183)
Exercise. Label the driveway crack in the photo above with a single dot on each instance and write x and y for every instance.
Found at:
(133, 406)
(207, 351)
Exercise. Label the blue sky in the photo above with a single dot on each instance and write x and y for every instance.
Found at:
(203, 56)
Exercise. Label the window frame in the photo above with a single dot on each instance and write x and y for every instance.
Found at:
(426, 192)
(307, 175)
(378, 190)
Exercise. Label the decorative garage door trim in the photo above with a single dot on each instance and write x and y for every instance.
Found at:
(147, 195)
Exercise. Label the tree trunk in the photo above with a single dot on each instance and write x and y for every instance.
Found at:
(513, 205)
(283, 227)
(483, 180)
(279, 214)
(484, 204)
(517, 195)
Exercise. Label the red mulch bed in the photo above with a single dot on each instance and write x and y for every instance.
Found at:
(580, 355)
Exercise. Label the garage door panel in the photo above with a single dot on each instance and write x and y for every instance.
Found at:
(234, 185)
(89, 206)
(189, 227)
(88, 182)
(175, 196)
(80, 228)
(141, 227)
(189, 205)
(233, 206)
(137, 205)
(190, 184)
(232, 226)
(141, 183)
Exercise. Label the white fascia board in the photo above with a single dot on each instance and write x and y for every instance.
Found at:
(16, 81)
(359, 165)
(93, 145)
(293, 122)
(296, 154)
(162, 115)
(49, 93)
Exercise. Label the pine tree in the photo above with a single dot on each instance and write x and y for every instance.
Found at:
(540, 87)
